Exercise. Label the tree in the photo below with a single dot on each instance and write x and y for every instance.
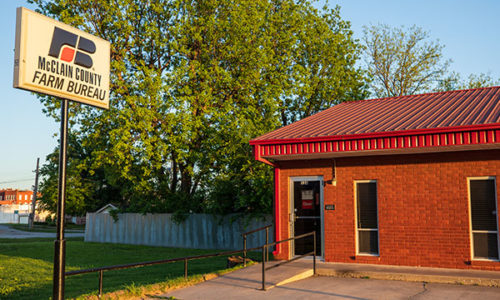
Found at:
(402, 61)
(192, 82)
(85, 192)
(455, 82)
(320, 69)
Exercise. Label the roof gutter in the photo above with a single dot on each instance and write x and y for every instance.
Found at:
(478, 137)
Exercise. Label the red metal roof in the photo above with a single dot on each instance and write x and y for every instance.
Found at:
(448, 121)
(424, 112)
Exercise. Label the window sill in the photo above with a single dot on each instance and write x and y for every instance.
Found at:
(368, 254)
(486, 259)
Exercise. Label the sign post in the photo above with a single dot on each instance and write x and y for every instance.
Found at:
(56, 59)
(60, 242)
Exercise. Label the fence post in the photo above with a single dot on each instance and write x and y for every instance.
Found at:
(314, 254)
(100, 284)
(244, 250)
(185, 268)
(267, 242)
(264, 268)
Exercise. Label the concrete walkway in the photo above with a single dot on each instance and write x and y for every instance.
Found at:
(337, 288)
(246, 283)
(9, 233)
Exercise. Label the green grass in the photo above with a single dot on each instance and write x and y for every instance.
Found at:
(42, 227)
(26, 267)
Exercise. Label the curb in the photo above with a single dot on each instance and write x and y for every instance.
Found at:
(460, 280)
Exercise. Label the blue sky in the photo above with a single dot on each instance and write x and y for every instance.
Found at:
(468, 29)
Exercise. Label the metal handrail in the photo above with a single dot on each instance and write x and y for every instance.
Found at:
(101, 270)
(255, 230)
(244, 235)
(264, 249)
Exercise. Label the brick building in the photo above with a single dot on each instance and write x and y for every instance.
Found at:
(11, 196)
(410, 180)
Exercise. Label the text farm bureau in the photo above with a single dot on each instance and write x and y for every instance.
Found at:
(79, 81)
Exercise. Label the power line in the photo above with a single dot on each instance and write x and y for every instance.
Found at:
(18, 180)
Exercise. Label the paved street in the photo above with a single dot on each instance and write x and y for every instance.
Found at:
(333, 288)
(9, 233)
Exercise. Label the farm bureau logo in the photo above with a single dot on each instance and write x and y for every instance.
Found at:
(63, 47)
(68, 67)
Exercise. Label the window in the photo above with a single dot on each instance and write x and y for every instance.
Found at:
(366, 217)
(25, 197)
(20, 197)
(483, 212)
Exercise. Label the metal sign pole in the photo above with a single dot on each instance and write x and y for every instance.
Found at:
(60, 243)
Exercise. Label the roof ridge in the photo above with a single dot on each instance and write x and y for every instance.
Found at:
(424, 94)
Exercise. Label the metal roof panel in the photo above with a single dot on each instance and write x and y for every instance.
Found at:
(424, 111)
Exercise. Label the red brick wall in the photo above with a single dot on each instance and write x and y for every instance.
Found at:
(25, 197)
(422, 206)
(10, 195)
(14, 194)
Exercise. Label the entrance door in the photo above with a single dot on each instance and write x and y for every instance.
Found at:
(307, 214)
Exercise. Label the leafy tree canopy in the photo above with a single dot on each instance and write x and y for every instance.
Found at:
(192, 82)
(402, 61)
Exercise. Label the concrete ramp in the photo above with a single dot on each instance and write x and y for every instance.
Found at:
(286, 273)
(245, 282)
(251, 277)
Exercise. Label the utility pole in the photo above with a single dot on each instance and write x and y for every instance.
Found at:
(33, 201)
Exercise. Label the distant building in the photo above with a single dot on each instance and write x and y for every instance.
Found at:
(15, 206)
(11, 196)
(106, 209)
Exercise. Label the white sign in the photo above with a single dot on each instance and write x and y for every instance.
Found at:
(59, 60)
(307, 194)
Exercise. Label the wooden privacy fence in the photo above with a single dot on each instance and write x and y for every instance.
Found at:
(200, 231)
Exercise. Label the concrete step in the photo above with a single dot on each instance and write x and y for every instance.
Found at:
(404, 273)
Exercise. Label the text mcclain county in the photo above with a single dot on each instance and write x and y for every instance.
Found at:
(65, 77)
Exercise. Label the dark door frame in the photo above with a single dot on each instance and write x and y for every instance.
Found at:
(292, 210)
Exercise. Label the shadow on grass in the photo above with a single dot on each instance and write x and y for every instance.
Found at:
(82, 255)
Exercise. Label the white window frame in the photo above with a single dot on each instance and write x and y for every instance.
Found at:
(356, 229)
(471, 232)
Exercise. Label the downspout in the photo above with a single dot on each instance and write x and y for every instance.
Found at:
(276, 207)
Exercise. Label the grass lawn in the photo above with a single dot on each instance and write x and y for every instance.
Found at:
(26, 266)
(42, 227)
